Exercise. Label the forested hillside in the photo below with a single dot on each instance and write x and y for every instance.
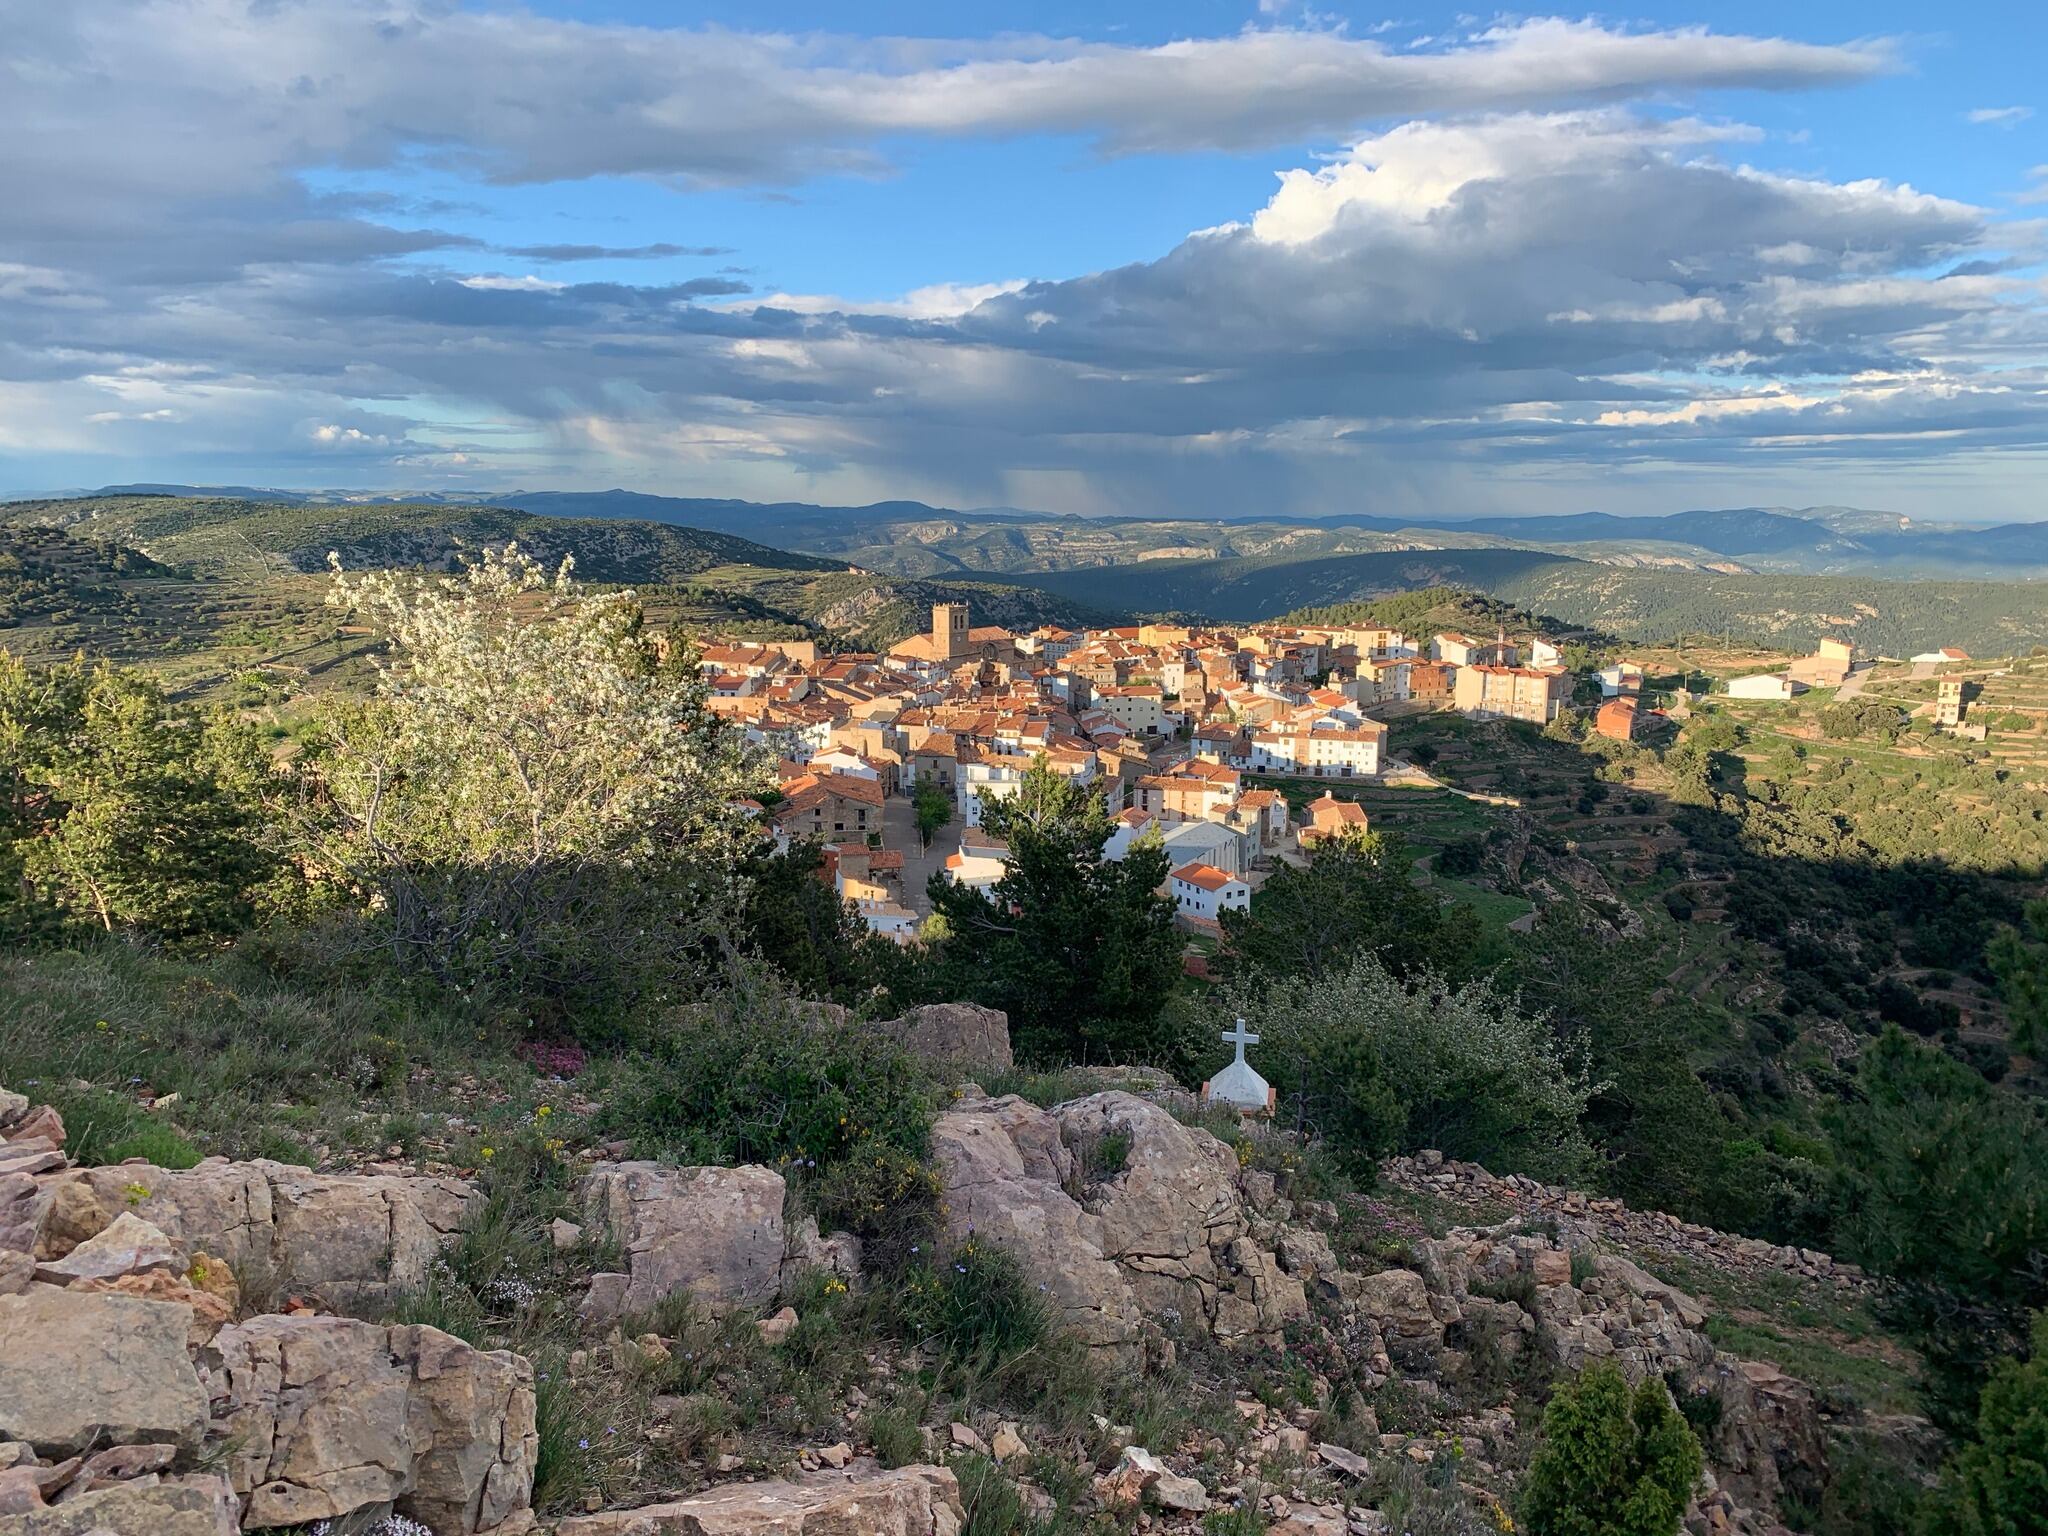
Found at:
(1893, 618)
(228, 598)
(224, 535)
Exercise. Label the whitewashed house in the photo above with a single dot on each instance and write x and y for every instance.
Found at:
(1201, 891)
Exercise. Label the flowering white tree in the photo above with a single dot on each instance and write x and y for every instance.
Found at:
(534, 798)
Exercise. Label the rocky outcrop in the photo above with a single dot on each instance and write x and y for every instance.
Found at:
(198, 1504)
(714, 1232)
(911, 1501)
(1507, 1289)
(1004, 1175)
(351, 1240)
(1163, 1234)
(323, 1416)
(130, 1246)
(958, 1034)
(79, 1371)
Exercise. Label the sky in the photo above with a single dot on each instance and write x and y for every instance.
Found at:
(1197, 258)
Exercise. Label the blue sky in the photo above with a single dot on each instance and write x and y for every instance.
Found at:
(1038, 256)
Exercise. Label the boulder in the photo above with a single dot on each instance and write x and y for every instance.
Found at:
(1398, 1301)
(129, 1246)
(206, 1312)
(1002, 1168)
(71, 1213)
(714, 1232)
(322, 1416)
(80, 1371)
(13, 1106)
(42, 1123)
(351, 1240)
(24, 1205)
(1165, 1235)
(910, 1501)
(193, 1505)
(1551, 1266)
(962, 1034)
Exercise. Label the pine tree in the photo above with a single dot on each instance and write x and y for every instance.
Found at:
(1079, 950)
(1997, 1485)
(1357, 896)
(1612, 1462)
(2019, 959)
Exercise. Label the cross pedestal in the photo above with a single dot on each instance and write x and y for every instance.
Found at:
(1239, 1085)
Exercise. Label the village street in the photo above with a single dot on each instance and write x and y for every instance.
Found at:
(899, 830)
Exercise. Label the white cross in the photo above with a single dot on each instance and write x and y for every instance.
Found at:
(1240, 1037)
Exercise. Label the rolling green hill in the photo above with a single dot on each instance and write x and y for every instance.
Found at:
(1894, 618)
(1242, 590)
(225, 597)
(221, 535)
(1884, 618)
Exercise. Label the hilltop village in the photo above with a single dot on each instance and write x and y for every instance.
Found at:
(1186, 730)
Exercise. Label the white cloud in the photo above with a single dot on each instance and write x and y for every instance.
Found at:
(1999, 117)
(935, 301)
(501, 283)
(170, 98)
(1533, 277)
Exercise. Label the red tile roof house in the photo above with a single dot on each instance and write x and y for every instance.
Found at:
(1201, 891)
(830, 807)
(1330, 817)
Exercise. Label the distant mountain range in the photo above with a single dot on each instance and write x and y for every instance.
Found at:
(915, 539)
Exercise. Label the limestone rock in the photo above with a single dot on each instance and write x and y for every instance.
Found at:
(348, 1239)
(120, 1463)
(910, 1501)
(1346, 1461)
(80, 1371)
(34, 1154)
(838, 1254)
(72, 1214)
(127, 1247)
(207, 1312)
(322, 1416)
(1002, 1167)
(1165, 1235)
(40, 1123)
(606, 1298)
(715, 1232)
(964, 1034)
(24, 1207)
(194, 1505)
(1399, 1302)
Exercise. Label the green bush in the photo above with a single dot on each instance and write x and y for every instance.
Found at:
(1378, 1063)
(1611, 1462)
(896, 1435)
(975, 1305)
(758, 1078)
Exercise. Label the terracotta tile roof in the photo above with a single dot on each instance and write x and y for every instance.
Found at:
(1206, 876)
